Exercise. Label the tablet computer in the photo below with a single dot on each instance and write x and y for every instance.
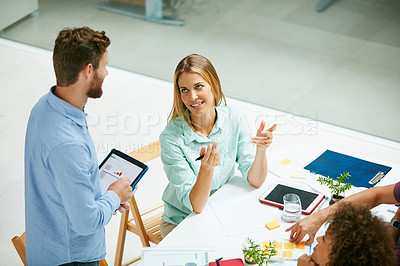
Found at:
(118, 164)
(274, 196)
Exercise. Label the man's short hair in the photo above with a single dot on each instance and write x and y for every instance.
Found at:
(74, 48)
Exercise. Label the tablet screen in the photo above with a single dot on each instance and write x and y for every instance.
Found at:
(306, 197)
(117, 165)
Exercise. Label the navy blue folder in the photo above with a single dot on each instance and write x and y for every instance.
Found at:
(363, 173)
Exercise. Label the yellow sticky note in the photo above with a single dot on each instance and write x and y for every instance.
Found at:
(278, 245)
(286, 161)
(289, 245)
(265, 245)
(287, 254)
(278, 254)
(301, 245)
(272, 225)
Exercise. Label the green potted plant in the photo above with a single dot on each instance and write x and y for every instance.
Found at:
(337, 187)
(255, 254)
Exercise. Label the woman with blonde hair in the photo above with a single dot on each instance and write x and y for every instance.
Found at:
(202, 142)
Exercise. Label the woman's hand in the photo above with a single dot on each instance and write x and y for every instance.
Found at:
(305, 260)
(201, 189)
(211, 156)
(264, 137)
(306, 226)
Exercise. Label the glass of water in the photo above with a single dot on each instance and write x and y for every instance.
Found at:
(291, 208)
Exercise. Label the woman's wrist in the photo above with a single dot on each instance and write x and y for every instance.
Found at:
(206, 170)
(261, 149)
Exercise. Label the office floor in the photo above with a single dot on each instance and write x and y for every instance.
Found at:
(131, 113)
(340, 66)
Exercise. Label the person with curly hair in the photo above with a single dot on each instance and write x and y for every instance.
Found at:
(372, 197)
(354, 237)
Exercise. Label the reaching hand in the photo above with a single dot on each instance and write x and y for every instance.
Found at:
(211, 156)
(264, 137)
(309, 225)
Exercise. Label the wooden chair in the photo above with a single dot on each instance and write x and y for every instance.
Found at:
(146, 224)
(19, 244)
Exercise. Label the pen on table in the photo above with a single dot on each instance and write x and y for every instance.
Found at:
(217, 261)
(322, 203)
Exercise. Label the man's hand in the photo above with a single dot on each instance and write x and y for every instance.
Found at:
(123, 207)
(123, 189)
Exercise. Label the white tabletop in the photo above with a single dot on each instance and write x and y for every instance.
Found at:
(234, 212)
(231, 215)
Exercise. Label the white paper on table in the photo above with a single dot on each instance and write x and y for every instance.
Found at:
(172, 256)
(300, 155)
(238, 209)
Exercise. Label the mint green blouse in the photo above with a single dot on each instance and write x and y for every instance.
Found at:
(180, 146)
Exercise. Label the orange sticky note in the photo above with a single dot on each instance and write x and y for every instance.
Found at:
(272, 225)
(289, 245)
(301, 245)
(286, 161)
(287, 254)
(278, 245)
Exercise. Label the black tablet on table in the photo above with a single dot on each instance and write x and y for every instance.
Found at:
(274, 196)
(118, 164)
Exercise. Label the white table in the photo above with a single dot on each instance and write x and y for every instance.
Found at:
(234, 213)
(301, 147)
(207, 228)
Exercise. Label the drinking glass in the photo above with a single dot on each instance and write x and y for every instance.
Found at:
(291, 208)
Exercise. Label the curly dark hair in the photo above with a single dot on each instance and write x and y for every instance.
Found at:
(359, 238)
(74, 48)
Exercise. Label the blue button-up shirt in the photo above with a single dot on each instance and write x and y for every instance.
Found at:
(65, 212)
(180, 146)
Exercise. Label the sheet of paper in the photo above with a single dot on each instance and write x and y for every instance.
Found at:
(282, 161)
(173, 256)
(238, 209)
(300, 173)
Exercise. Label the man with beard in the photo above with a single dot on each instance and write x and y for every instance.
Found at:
(65, 212)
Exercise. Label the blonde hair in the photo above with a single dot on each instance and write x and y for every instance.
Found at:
(195, 63)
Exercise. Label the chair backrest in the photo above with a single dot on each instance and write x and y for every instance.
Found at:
(145, 224)
(19, 244)
(148, 152)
